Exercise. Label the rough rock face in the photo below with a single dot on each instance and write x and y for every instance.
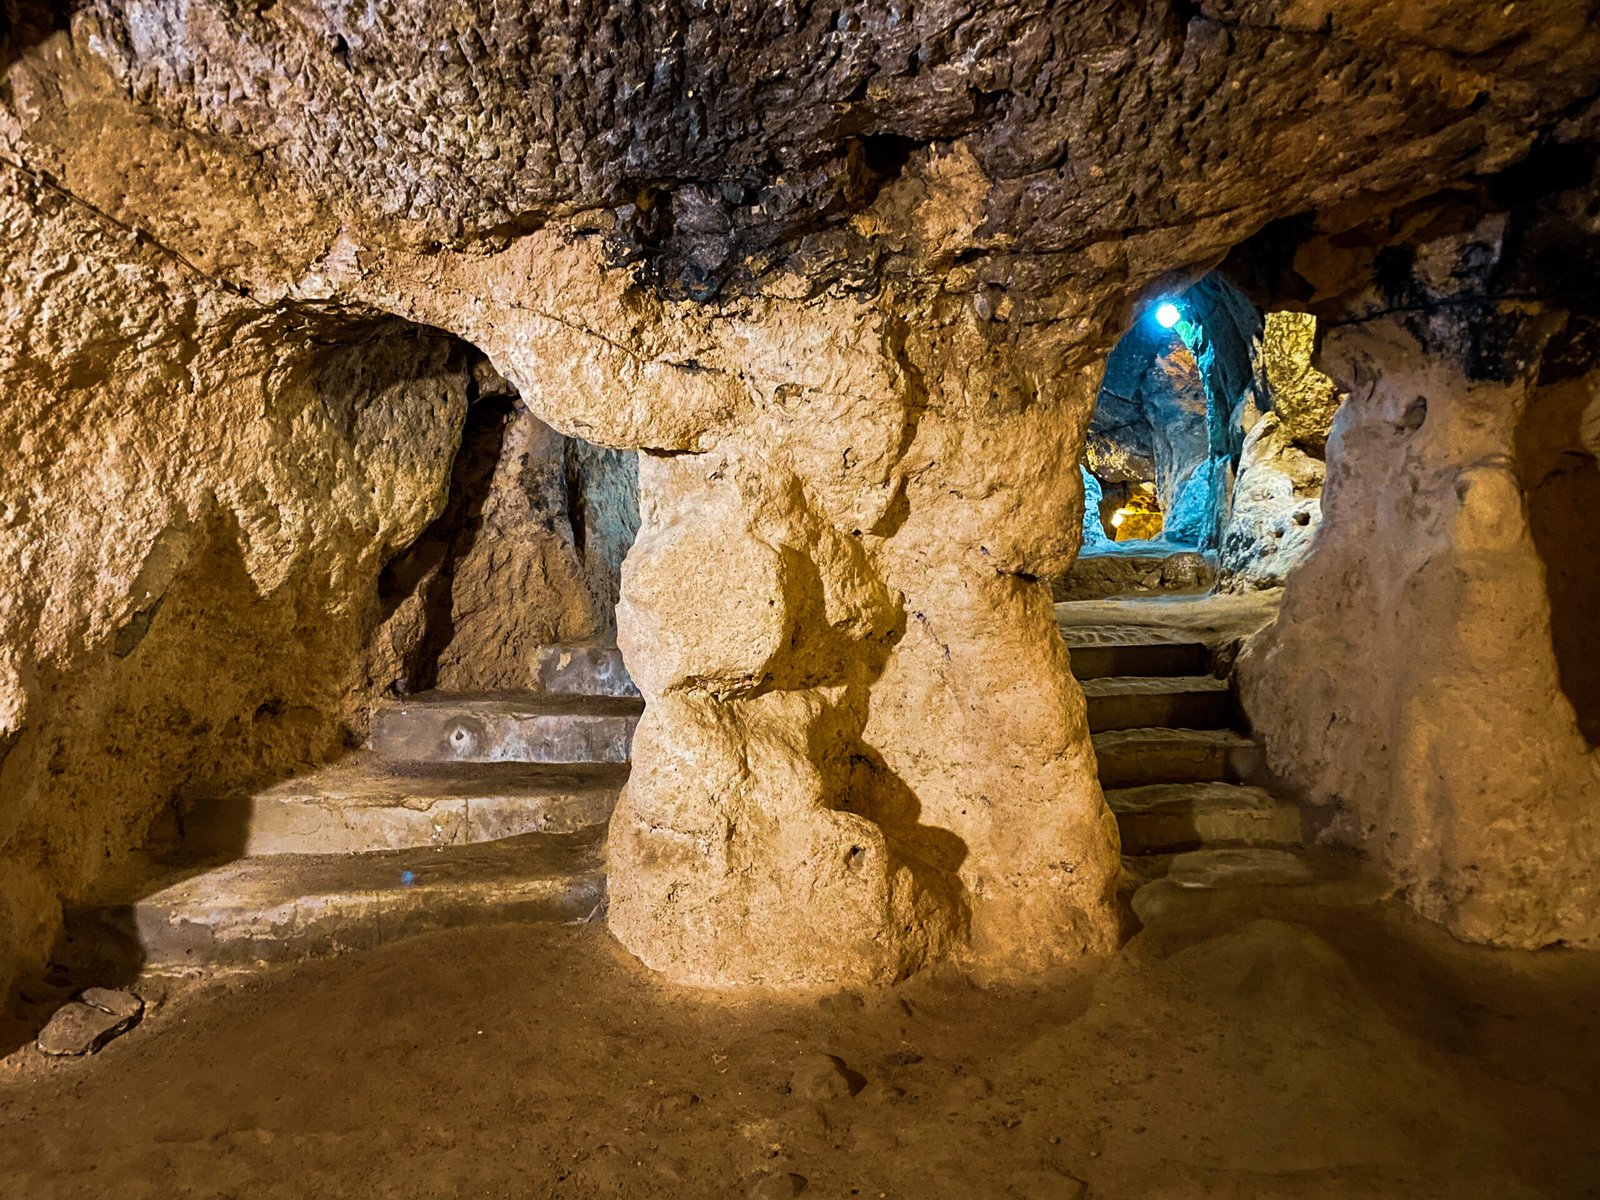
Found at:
(1192, 519)
(1274, 511)
(527, 553)
(1149, 421)
(1275, 508)
(1095, 538)
(845, 273)
(721, 139)
(1430, 674)
(1175, 407)
(1133, 569)
(199, 495)
(1120, 444)
(805, 605)
(1302, 397)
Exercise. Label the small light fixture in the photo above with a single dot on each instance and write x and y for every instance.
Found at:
(1167, 314)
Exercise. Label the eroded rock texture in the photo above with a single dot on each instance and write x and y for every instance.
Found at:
(846, 274)
(199, 495)
(862, 745)
(1430, 676)
(1275, 507)
(1149, 423)
(1274, 511)
(527, 553)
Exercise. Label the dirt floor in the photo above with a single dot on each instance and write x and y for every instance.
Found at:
(1246, 1044)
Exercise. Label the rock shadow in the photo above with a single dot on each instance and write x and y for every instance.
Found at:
(1556, 446)
(851, 658)
(426, 569)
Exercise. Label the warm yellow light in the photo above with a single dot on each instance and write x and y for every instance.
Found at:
(1118, 517)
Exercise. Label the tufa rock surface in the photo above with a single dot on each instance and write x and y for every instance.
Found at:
(844, 274)
(1430, 677)
(1283, 418)
(84, 1025)
(1274, 511)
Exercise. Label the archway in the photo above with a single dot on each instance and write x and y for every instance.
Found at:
(442, 745)
(1203, 462)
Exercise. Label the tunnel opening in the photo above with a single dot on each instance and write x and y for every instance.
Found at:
(1202, 465)
(526, 554)
(457, 721)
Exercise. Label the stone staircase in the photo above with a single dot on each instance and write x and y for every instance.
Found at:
(462, 809)
(1178, 774)
(475, 809)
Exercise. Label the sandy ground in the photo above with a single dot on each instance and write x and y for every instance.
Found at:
(1246, 1044)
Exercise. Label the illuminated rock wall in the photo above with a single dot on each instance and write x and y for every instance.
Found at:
(1430, 680)
(845, 274)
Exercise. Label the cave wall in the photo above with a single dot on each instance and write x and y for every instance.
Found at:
(544, 565)
(526, 553)
(1428, 680)
(843, 273)
(1280, 425)
(1556, 447)
(198, 497)
(1149, 423)
(603, 512)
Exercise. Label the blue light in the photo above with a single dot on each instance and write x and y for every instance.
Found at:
(1167, 315)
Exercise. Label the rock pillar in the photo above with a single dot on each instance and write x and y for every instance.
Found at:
(863, 749)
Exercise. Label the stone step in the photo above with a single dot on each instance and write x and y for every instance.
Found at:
(1135, 569)
(1169, 884)
(1100, 661)
(1240, 866)
(1164, 818)
(281, 907)
(1136, 757)
(1139, 701)
(441, 727)
(581, 669)
(363, 803)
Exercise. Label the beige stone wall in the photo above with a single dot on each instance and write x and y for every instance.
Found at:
(1280, 426)
(1411, 684)
(198, 494)
(526, 580)
(527, 553)
(863, 747)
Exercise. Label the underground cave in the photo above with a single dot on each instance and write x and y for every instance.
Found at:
(657, 600)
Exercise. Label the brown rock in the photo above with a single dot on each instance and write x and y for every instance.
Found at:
(1046, 1184)
(825, 1077)
(777, 1186)
(676, 1102)
(118, 1003)
(84, 1025)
